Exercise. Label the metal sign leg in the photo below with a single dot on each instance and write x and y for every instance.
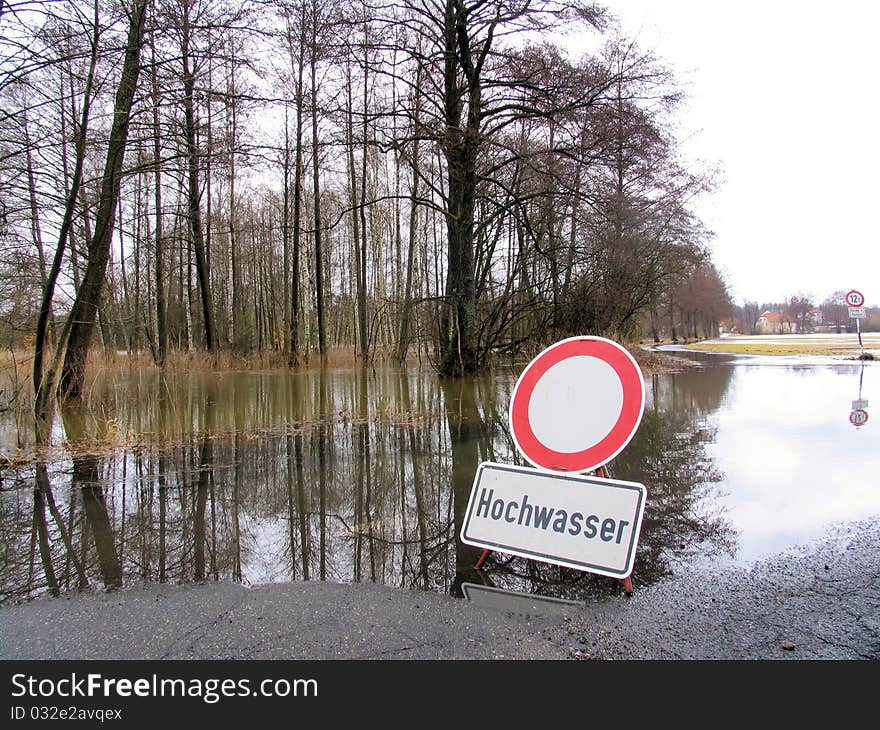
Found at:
(479, 564)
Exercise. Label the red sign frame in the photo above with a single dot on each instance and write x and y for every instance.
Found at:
(853, 304)
(626, 423)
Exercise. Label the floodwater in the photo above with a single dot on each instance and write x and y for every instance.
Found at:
(363, 475)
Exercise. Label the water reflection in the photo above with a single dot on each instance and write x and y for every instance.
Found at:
(858, 416)
(795, 466)
(524, 604)
(668, 455)
(333, 475)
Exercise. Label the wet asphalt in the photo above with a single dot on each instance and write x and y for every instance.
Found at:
(819, 602)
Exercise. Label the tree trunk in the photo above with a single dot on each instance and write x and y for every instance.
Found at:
(362, 259)
(293, 355)
(319, 257)
(161, 307)
(361, 321)
(85, 307)
(461, 142)
(241, 337)
(43, 386)
(285, 239)
(195, 214)
(406, 311)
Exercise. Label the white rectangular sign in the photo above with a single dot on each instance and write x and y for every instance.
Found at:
(581, 522)
(857, 313)
(859, 404)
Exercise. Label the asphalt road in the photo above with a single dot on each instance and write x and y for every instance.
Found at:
(818, 603)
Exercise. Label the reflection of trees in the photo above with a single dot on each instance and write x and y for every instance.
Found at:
(320, 445)
(45, 497)
(466, 430)
(297, 514)
(696, 392)
(41, 535)
(667, 455)
(85, 476)
(364, 482)
(398, 518)
(86, 479)
(36, 549)
(342, 475)
(408, 440)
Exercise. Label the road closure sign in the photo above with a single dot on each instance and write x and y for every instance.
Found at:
(579, 522)
(577, 404)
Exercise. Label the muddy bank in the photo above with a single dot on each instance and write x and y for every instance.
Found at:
(820, 602)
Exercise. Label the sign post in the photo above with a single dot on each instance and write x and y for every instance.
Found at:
(856, 300)
(574, 408)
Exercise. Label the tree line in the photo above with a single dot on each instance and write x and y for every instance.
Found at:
(433, 177)
(799, 313)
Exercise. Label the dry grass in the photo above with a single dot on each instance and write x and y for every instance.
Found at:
(16, 366)
(111, 440)
(201, 361)
(770, 348)
(16, 390)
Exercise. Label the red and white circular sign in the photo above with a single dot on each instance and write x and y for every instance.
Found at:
(859, 417)
(854, 298)
(577, 404)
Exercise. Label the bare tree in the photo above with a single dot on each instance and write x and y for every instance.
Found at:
(81, 320)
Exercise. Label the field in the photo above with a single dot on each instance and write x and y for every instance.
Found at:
(830, 345)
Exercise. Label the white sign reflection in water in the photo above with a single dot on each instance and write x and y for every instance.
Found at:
(579, 522)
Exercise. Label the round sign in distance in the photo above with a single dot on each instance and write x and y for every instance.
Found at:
(854, 298)
(858, 417)
(577, 404)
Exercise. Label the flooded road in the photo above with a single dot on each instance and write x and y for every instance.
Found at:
(794, 464)
(354, 476)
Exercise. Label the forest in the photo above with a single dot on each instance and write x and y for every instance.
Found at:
(453, 180)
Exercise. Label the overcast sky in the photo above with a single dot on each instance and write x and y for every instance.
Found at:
(784, 95)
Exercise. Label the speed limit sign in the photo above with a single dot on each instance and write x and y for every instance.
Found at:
(854, 298)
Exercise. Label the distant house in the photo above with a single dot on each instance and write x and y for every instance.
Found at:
(775, 323)
(781, 323)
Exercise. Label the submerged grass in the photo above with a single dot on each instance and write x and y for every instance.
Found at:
(652, 362)
(112, 440)
(778, 348)
(16, 399)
